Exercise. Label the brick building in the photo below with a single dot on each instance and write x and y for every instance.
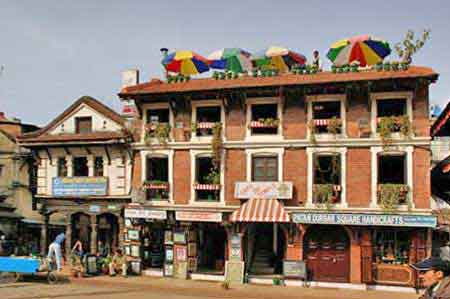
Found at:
(331, 169)
(83, 173)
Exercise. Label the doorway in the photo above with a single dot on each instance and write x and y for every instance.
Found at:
(327, 253)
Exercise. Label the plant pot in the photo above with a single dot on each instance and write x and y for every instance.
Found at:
(387, 66)
(404, 66)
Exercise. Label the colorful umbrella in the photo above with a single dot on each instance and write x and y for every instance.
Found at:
(185, 63)
(230, 59)
(277, 57)
(365, 49)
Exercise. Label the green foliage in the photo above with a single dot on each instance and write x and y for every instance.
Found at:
(334, 126)
(389, 125)
(409, 46)
(160, 131)
(323, 194)
(213, 177)
(391, 195)
(217, 145)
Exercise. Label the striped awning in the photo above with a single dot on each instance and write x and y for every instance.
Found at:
(260, 210)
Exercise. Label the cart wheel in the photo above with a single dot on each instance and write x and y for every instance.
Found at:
(52, 278)
(9, 277)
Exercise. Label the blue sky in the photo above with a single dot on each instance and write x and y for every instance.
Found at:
(56, 51)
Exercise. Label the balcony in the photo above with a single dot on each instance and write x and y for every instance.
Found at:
(389, 196)
(156, 190)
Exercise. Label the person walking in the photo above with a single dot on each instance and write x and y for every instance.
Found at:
(434, 273)
(55, 250)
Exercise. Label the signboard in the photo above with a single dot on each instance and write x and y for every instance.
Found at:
(234, 271)
(265, 190)
(235, 253)
(79, 186)
(198, 216)
(145, 213)
(365, 219)
(94, 209)
(294, 269)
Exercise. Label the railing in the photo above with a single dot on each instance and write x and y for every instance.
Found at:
(156, 190)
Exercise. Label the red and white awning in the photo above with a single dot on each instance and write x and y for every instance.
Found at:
(260, 210)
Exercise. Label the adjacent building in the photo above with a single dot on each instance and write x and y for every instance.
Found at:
(84, 168)
(255, 175)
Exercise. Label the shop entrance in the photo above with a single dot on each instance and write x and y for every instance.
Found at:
(211, 243)
(265, 248)
(81, 230)
(108, 232)
(153, 245)
(327, 252)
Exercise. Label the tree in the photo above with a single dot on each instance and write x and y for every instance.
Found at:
(408, 47)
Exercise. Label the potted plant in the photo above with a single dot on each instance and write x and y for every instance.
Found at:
(333, 68)
(387, 66)
(394, 65)
(345, 68)
(216, 75)
(379, 66)
(354, 66)
(404, 65)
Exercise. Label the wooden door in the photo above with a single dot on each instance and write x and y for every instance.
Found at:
(328, 254)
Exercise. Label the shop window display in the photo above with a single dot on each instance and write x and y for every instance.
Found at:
(392, 246)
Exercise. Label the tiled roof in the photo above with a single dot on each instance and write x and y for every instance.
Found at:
(94, 136)
(43, 136)
(207, 84)
(441, 121)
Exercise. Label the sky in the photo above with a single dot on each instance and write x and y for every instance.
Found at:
(54, 52)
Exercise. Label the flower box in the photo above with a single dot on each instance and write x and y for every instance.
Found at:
(403, 192)
(155, 186)
(207, 187)
(335, 190)
(254, 124)
(205, 125)
(324, 122)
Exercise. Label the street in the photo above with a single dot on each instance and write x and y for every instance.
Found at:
(145, 287)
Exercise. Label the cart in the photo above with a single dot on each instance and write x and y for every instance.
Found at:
(12, 269)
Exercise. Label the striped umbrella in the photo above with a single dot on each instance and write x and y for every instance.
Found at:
(185, 63)
(365, 49)
(279, 58)
(230, 59)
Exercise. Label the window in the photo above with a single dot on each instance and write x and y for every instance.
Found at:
(392, 246)
(62, 167)
(327, 178)
(391, 169)
(327, 117)
(264, 119)
(392, 188)
(80, 166)
(207, 180)
(265, 169)
(158, 116)
(83, 125)
(389, 111)
(206, 118)
(98, 166)
(157, 178)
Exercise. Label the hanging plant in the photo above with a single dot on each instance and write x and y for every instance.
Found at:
(312, 132)
(323, 194)
(391, 124)
(390, 196)
(213, 176)
(217, 145)
(334, 126)
(159, 131)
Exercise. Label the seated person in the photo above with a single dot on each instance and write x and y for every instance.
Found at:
(118, 263)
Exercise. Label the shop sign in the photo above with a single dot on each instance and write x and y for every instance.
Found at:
(365, 219)
(294, 269)
(234, 271)
(198, 216)
(235, 253)
(79, 186)
(94, 209)
(181, 253)
(265, 190)
(145, 213)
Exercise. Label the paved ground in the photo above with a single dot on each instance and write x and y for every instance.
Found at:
(163, 288)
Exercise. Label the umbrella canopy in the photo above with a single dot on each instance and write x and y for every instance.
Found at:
(230, 59)
(185, 63)
(277, 57)
(365, 49)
